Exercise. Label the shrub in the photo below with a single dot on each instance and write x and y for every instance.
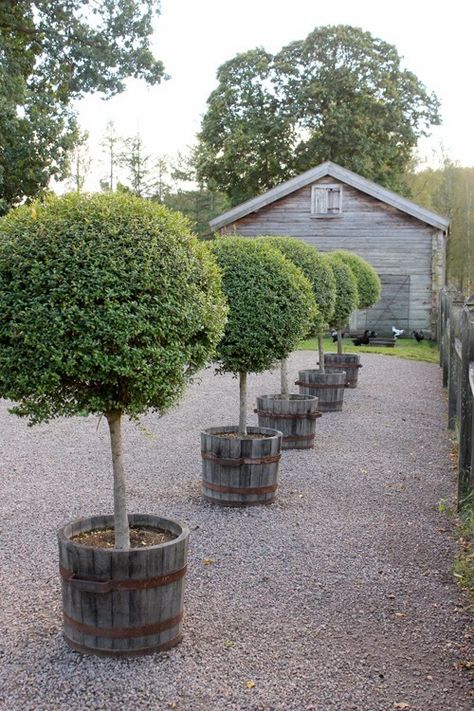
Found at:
(271, 307)
(316, 270)
(107, 305)
(368, 281)
(347, 296)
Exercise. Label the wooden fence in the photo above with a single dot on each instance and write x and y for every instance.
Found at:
(456, 347)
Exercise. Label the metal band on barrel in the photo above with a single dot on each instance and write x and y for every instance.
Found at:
(239, 489)
(243, 460)
(342, 366)
(298, 438)
(123, 632)
(317, 386)
(286, 416)
(92, 584)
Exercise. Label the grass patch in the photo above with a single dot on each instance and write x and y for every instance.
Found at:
(464, 561)
(463, 522)
(408, 348)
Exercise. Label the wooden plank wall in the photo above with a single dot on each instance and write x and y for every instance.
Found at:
(392, 241)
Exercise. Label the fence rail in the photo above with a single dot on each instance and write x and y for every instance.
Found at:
(456, 346)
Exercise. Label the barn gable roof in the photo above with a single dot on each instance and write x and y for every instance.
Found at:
(345, 176)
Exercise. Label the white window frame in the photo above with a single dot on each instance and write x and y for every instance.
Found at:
(319, 207)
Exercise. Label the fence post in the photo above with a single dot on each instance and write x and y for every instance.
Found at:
(442, 334)
(440, 326)
(465, 470)
(453, 362)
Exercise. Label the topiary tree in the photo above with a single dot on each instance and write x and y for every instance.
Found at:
(321, 277)
(271, 307)
(347, 296)
(368, 281)
(107, 305)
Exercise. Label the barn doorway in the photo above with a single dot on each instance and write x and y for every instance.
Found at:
(392, 309)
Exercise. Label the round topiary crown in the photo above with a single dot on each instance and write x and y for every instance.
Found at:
(271, 305)
(107, 302)
(316, 270)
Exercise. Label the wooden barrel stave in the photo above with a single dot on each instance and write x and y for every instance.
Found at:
(328, 387)
(295, 417)
(350, 362)
(110, 623)
(245, 476)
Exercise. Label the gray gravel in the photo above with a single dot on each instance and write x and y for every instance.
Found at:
(338, 596)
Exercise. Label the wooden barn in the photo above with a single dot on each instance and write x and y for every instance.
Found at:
(334, 208)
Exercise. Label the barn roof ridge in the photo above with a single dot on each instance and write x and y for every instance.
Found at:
(344, 175)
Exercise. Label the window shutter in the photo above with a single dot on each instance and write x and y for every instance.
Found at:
(334, 200)
(326, 200)
(320, 200)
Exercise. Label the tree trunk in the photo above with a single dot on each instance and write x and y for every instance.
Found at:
(284, 377)
(243, 404)
(339, 341)
(122, 534)
(321, 353)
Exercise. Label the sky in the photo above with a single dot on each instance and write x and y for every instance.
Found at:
(194, 37)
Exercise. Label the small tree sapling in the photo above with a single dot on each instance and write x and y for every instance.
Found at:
(347, 296)
(107, 305)
(368, 281)
(271, 307)
(321, 277)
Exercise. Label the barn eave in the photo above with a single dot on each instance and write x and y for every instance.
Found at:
(339, 173)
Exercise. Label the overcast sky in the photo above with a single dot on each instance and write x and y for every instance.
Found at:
(193, 37)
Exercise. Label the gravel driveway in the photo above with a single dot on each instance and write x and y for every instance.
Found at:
(338, 596)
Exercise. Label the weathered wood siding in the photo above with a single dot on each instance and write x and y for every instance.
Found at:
(392, 241)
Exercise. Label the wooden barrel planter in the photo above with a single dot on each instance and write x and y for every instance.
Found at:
(328, 388)
(350, 362)
(122, 603)
(294, 416)
(237, 471)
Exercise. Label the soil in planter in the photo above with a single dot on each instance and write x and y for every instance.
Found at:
(235, 435)
(140, 537)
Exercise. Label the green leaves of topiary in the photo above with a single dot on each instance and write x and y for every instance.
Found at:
(106, 303)
(347, 296)
(271, 305)
(368, 281)
(316, 270)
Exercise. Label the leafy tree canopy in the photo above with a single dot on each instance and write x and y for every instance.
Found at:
(107, 303)
(245, 144)
(368, 281)
(50, 54)
(271, 305)
(347, 297)
(449, 191)
(340, 94)
(316, 270)
(199, 205)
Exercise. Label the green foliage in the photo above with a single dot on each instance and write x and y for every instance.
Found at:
(368, 281)
(246, 141)
(146, 175)
(464, 561)
(271, 305)
(347, 296)
(79, 163)
(199, 206)
(449, 191)
(340, 95)
(316, 270)
(107, 302)
(50, 54)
